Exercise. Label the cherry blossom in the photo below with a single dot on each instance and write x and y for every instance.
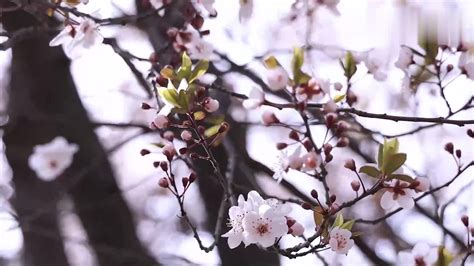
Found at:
(277, 78)
(255, 99)
(315, 90)
(375, 66)
(200, 49)
(191, 41)
(77, 38)
(235, 235)
(297, 229)
(50, 160)
(264, 227)
(340, 240)
(421, 254)
(286, 161)
(405, 58)
(398, 192)
(246, 10)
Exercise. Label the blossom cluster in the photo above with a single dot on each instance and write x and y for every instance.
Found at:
(259, 221)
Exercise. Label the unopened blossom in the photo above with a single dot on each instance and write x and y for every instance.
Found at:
(297, 229)
(340, 240)
(311, 160)
(246, 10)
(211, 105)
(76, 38)
(186, 135)
(277, 78)
(421, 254)
(405, 58)
(161, 121)
(398, 193)
(50, 160)
(330, 107)
(256, 99)
(169, 149)
(264, 227)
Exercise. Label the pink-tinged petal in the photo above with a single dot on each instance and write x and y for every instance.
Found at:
(424, 184)
(251, 104)
(387, 202)
(420, 249)
(235, 211)
(432, 256)
(333, 244)
(297, 229)
(406, 201)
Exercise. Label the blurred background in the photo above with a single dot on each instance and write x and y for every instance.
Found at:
(111, 94)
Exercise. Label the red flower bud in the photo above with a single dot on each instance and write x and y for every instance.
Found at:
(294, 135)
(342, 142)
(465, 220)
(328, 158)
(306, 206)
(145, 106)
(281, 145)
(144, 152)
(164, 166)
(449, 147)
(197, 22)
(192, 177)
(458, 153)
(314, 194)
(355, 185)
(332, 198)
(163, 182)
(156, 164)
(470, 133)
(327, 148)
(185, 181)
(350, 164)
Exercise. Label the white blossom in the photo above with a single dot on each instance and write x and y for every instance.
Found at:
(200, 49)
(246, 10)
(375, 66)
(405, 58)
(340, 240)
(315, 90)
(255, 99)
(398, 193)
(421, 254)
(77, 38)
(235, 235)
(264, 227)
(50, 160)
(277, 78)
(286, 161)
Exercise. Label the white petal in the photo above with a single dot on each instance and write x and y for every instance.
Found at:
(267, 241)
(406, 201)
(251, 104)
(387, 202)
(234, 240)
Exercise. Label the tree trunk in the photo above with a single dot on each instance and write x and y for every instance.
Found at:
(43, 103)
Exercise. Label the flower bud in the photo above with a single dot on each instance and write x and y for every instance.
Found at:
(314, 193)
(470, 133)
(342, 126)
(145, 106)
(183, 150)
(327, 148)
(449, 67)
(186, 135)
(168, 135)
(144, 152)
(350, 164)
(163, 182)
(290, 222)
(338, 86)
(332, 198)
(355, 185)
(328, 158)
(162, 81)
(192, 177)
(342, 142)
(269, 118)
(210, 105)
(330, 107)
(197, 22)
(161, 121)
(164, 166)
(281, 146)
(465, 220)
(277, 78)
(294, 135)
(153, 58)
(306, 206)
(307, 144)
(185, 181)
(458, 153)
(169, 151)
(330, 119)
(297, 229)
(449, 147)
(351, 98)
(156, 164)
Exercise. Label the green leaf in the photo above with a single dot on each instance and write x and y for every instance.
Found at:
(348, 225)
(271, 62)
(356, 234)
(444, 257)
(370, 171)
(185, 69)
(339, 221)
(199, 115)
(199, 70)
(393, 162)
(401, 177)
(167, 72)
(390, 147)
(212, 131)
(349, 65)
(380, 156)
(428, 40)
(299, 77)
(171, 96)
